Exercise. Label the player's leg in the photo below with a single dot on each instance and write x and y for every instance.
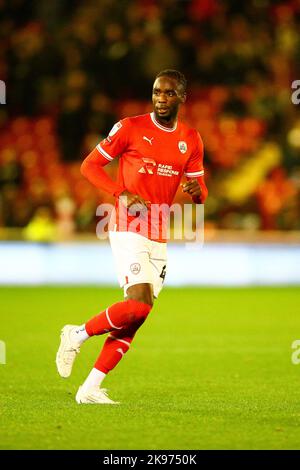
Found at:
(115, 347)
(142, 292)
(119, 340)
(131, 254)
(116, 317)
(119, 316)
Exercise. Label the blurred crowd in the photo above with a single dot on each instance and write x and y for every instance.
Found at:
(72, 69)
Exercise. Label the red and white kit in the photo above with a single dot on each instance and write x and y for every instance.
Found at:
(153, 160)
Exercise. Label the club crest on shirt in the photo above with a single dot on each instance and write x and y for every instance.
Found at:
(135, 268)
(182, 146)
(115, 129)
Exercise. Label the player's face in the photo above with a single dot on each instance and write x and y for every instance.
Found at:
(167, 96)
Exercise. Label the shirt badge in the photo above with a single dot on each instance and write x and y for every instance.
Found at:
(182, 146)
(115, 129)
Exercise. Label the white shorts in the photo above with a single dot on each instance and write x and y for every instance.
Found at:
(138, 260)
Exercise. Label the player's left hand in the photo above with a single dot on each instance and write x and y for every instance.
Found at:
(192, 187)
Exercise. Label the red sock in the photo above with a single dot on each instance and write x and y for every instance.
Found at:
(114, 348)
(117, 317)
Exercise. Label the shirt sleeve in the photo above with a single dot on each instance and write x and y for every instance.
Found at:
(194, 169)
(116, 142)
(92, 167)
(194, 165)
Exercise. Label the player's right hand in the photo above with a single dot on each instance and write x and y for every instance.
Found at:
(134, 202)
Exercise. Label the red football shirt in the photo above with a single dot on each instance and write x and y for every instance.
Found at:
(153, 159)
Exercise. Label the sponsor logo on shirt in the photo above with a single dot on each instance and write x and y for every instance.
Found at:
(148, 167)
(161, 169)
(166, 170)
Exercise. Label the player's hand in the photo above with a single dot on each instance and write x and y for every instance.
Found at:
(134, 202)
(192, 187)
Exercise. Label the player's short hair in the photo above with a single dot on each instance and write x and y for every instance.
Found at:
(174, 74)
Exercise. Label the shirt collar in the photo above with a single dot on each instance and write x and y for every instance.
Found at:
(160, 126)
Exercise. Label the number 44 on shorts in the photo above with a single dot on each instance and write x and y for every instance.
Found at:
(163, 273)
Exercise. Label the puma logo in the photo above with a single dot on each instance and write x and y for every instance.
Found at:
(148, 140)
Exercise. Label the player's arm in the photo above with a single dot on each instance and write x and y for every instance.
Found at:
(194, 172)
(129, 199)
(196, 188)
(92, 166)
(92, 169)
(108, 149)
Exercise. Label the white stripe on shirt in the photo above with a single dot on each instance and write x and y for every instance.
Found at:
(105, 154)
(195, 173)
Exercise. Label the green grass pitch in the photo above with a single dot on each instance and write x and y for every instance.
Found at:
(210, 369)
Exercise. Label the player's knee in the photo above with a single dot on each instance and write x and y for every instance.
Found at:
(124, 344)
(142, 293)
(138, 310)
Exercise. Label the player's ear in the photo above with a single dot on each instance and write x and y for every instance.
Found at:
(183, 97)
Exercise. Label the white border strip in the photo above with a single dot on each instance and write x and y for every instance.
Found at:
(105, 154)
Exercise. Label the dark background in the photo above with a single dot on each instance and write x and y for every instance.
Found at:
(74, 68)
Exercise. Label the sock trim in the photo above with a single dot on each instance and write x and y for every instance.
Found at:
(111, 323)
(121, 340)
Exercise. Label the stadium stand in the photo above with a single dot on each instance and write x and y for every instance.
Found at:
(71, 75)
